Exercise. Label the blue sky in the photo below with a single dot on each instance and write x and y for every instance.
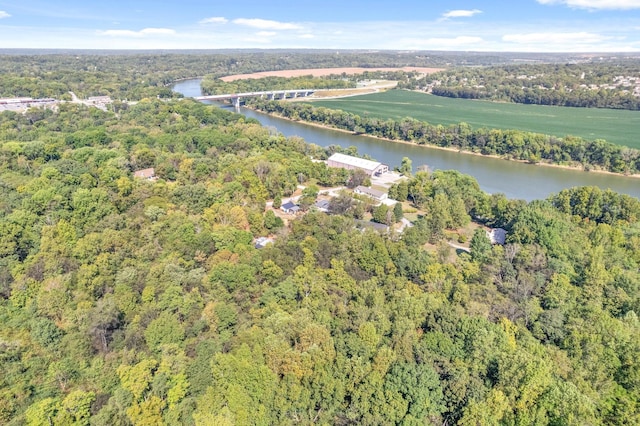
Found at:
(485, 25)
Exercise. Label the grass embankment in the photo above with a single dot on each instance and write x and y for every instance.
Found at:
(619, 127)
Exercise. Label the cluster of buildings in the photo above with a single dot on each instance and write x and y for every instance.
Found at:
(23, 104)
(371, 168)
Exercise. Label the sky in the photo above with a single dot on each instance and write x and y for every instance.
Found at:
(452, 25)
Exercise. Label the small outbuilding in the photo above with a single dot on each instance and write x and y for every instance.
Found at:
(290, 208)
(322, 205)
(497, 236)
(262, 242)
(148, 174)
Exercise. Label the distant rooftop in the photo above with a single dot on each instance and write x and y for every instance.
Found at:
(145, 173)
(322, 205)
(380, 227)
(262, 242)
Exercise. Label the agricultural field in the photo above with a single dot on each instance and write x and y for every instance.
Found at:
(620, 127)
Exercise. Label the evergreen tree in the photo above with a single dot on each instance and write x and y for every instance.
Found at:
(397, 212)
(480, 246)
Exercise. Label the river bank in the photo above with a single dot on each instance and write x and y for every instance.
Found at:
(579, 168)
(516, 180)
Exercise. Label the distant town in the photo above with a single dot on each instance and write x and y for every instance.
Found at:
(24, 103)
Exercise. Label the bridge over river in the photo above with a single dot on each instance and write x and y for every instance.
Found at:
(236, 98)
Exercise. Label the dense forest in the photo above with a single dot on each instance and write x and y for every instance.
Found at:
(507, 143)
(127, 76)
(134, 76)
(593, 85)
(125, 301)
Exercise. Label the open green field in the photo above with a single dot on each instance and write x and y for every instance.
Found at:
(620, 127)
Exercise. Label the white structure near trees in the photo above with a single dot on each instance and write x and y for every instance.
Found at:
(372, 168)
(373, 193)
(497, 236)
(148, 174)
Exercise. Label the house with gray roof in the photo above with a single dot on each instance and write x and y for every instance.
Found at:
(290, 208)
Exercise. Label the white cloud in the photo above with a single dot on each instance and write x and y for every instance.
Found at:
(554, 38)
(214, 20)
(461, 13)
(142, 33)
(265, 24)
(4, 14)
(596, 4)
(306, 36)
(266, 33)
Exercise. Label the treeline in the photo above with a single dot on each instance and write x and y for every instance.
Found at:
(592, 85)
(125, 301)
(135, 76)
(219, 87)
(510, 144)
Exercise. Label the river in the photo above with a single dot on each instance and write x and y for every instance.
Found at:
(515, 180)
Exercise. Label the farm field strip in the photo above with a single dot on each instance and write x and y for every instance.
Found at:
(620, 127)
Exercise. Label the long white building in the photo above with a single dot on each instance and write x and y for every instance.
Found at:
(351, 163)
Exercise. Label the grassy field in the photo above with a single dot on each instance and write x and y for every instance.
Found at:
(616, 126)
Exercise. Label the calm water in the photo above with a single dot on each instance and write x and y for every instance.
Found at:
(515, 180)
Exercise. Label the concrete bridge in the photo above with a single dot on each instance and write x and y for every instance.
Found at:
(236, 98)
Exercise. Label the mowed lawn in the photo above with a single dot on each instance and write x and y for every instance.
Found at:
(616, 126)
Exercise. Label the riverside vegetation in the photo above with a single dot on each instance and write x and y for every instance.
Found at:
(130, 302)
(505, 143)
(618, 127)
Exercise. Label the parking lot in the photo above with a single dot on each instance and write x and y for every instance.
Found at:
(387, 179)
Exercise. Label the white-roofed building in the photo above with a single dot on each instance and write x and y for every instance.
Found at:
(148, 174)
(352, 163)
(497, 236)
(373, 193)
